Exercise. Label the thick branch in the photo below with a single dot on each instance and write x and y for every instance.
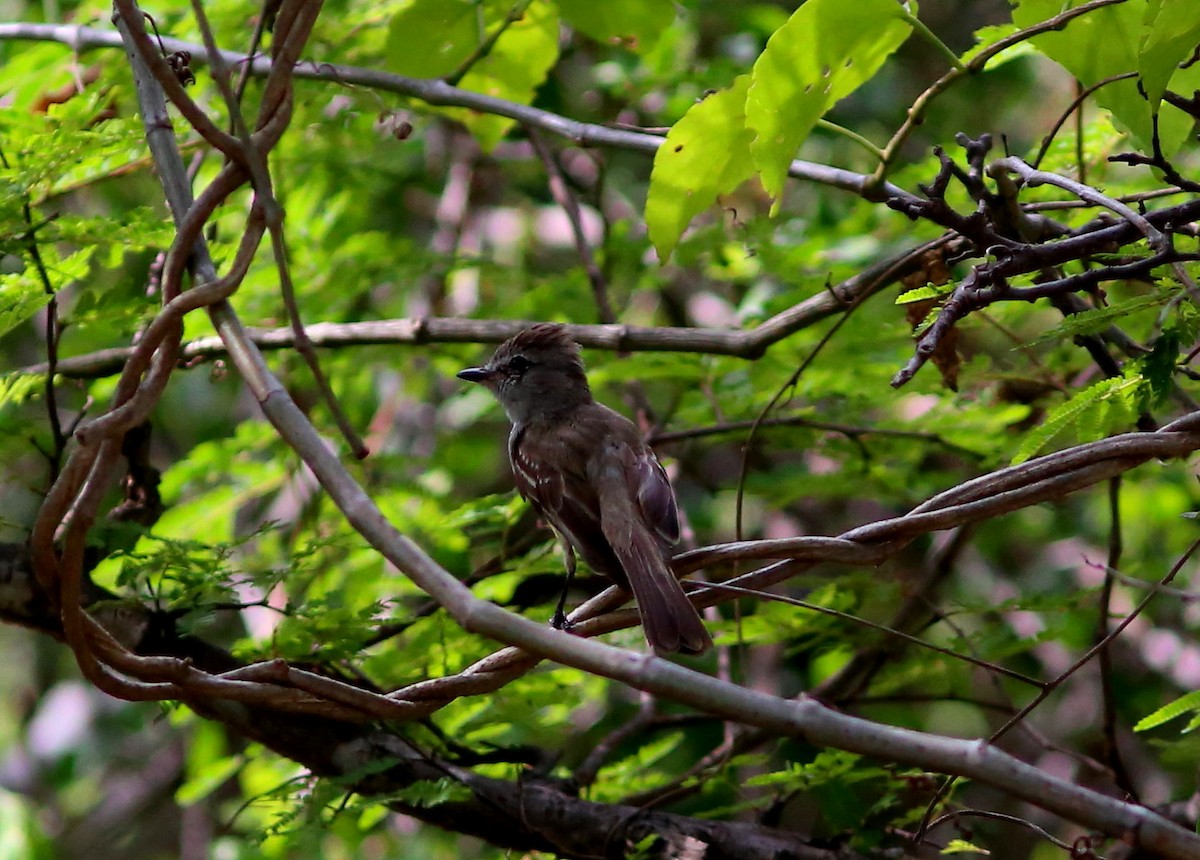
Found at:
(522, 815)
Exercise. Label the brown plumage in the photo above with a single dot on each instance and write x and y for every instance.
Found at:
(586, 470)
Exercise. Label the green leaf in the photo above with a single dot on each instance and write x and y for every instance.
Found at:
(207, 779)
(1170, 31)
(1097, 320)
(18, 387)
(636, 772)
(1186, 703)
(632, 24)
(826, 50)
(1159, 366)
(21, 296)
(828, 765)
(1102, 43)
(920, 294)
(435, 38)
(433, 792)
(962, 846)
(431, 38)
(373, 815)
(1088, 411)
(515, 67)
(985, 37)
(706, 154)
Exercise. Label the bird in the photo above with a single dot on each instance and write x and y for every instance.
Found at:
(585, 469)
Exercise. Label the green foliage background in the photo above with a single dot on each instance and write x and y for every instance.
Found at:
(454, 218)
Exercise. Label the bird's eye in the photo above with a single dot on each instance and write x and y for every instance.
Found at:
(520, 363)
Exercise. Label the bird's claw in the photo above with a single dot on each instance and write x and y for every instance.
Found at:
(559, 621)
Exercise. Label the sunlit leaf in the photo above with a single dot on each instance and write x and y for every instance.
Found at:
(706, 154)
(633, 24)
(826, 50)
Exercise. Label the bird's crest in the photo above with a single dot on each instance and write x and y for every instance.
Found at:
(542, 336)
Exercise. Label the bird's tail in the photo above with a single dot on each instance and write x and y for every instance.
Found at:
(670, 621)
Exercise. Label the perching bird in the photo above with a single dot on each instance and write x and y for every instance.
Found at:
(586, 470)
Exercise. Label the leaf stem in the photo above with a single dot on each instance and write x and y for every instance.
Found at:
(930, 37)
(875, 151)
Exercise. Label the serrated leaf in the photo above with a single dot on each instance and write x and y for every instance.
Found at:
(1186, 703)
(18, 387)
(706, 154)
(632, 24)
(921, 294)
(1084, 411)
(1096, 320)
(826, 50)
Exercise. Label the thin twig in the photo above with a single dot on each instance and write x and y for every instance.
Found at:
(58, 439)
(563, 196)
(890, 632)
(999, 816)
(667, 437)
(1096, 648)
(1104, 661)
(916, 112)
(1074, 108)
(515, 14)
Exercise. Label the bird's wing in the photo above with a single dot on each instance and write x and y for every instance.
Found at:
(622, 475)
(655, 496)
(541, 485)
(559, 492)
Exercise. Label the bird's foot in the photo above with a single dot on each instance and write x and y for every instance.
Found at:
(559, 621)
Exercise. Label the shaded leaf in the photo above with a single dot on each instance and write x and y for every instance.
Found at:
(1171, 29)
(1098, 45)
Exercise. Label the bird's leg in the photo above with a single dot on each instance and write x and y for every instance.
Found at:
(559, 619)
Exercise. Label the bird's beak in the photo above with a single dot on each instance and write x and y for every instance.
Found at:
(475, 374)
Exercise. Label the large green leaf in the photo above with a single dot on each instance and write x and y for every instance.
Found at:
(825, 51)
(432, 38)
(1107, 42)
(1170, 31)
(435, 38)
(633, 24)
(514, 69)
(706, 154)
